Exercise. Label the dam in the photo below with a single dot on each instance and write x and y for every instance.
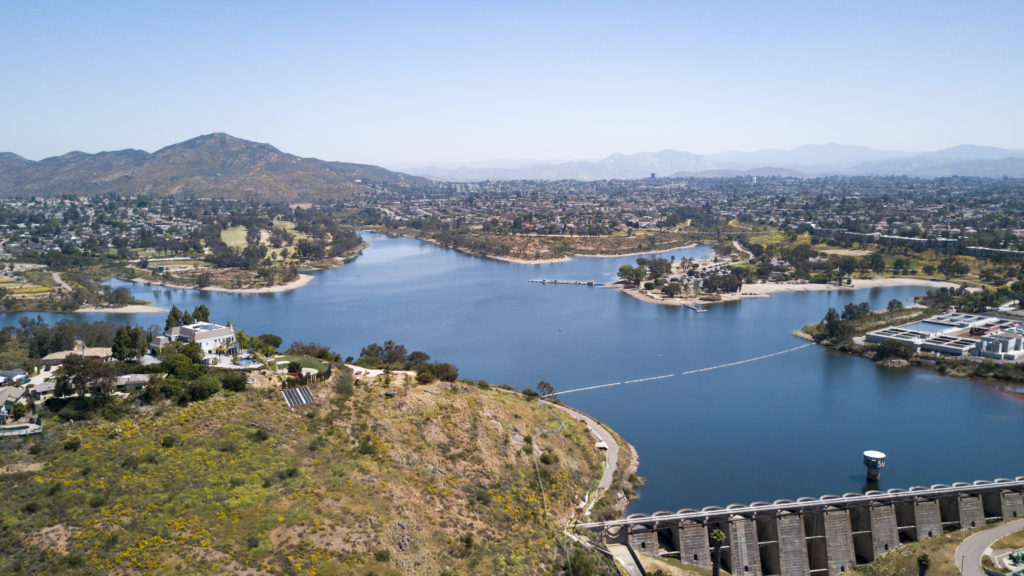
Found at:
(826, 535)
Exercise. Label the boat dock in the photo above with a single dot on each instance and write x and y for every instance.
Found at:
(696, 307)
(567, 282)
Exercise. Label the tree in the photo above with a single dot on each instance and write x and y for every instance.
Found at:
(124, 347)
(854, 311)
(894, 349)
(833, 327)
(393, 353)
(417, 359)
(194, 352)
(876, 262)
(923, 562)
(202, 388)
(672, 289)
(632, 276)
(18, 410)
(951, 266)
(894, 305)
(141, 342)
(272, 340)
(202, 314)
(446, 372)
(186, 319)
(81, 375)
(717, 539)
(545, 388)
(173, 318)
(847, 265)
(658, 267)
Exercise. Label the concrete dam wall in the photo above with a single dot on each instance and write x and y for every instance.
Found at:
(826, 535)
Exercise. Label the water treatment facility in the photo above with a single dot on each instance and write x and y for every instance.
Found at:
(960, 334)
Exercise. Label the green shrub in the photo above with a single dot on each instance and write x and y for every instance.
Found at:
(169, 441)
(73, 445)
(382, 555)
(894, 349)
(202, 388)
(233, 380)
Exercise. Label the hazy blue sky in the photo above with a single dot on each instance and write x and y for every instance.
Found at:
(395, 83)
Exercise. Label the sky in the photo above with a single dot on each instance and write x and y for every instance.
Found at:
(415, 83)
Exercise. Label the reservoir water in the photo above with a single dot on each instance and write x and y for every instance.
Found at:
(784, 427)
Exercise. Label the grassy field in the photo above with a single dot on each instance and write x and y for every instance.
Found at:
(178, 263)
(438, 479)
(31, 290)
(306, 362)
(234, 236)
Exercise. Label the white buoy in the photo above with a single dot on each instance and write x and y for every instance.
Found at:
(875, 461)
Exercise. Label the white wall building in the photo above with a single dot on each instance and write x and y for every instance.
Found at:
(1002, 345)
(210, 337)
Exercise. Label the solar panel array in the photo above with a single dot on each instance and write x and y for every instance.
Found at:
(297, 396)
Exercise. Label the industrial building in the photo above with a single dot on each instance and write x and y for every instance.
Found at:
(959, 334)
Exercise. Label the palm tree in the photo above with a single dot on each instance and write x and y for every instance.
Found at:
(923, 562)
(717, 539)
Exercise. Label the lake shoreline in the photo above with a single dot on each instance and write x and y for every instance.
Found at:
(299, 282)
(128, 309)
(765, 290)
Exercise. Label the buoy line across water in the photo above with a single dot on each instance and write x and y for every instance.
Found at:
(686, 373)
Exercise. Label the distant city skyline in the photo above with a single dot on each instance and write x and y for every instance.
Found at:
(404, 83)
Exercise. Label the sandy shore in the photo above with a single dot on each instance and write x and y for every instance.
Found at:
(526, 261)
(628, 254)
(766, 289)
(568, 258)
(773, 287)
(129, 309)
(299, 282)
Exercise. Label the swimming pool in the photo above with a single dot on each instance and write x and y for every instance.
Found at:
(20, 429)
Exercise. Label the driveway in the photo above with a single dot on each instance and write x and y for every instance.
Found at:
(969, 552)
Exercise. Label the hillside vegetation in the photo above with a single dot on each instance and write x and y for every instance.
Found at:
(212, 165)
(443, 478)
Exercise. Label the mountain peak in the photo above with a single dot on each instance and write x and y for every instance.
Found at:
(215, 165)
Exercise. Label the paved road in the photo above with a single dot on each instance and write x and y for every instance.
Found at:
(63, 284)
(624, 559)
(611, 460)
(973, 548)
(611, 455)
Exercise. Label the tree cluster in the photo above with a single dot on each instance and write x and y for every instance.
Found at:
(178, 318)
(392, 356)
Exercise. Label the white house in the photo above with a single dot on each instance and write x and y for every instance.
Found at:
(210, 337)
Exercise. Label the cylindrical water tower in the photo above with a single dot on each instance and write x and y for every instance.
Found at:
(875, 461)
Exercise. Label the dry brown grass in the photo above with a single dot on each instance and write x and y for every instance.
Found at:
(903, 560)
(1010, 542)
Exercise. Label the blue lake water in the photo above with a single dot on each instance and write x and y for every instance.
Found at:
(784, 427)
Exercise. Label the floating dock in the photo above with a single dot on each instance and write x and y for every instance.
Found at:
(566, 282)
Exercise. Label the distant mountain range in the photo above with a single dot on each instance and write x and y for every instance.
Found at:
(213, 165)
(222, 166)
(805, 161)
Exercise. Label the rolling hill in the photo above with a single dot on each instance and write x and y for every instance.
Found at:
(213, 165)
